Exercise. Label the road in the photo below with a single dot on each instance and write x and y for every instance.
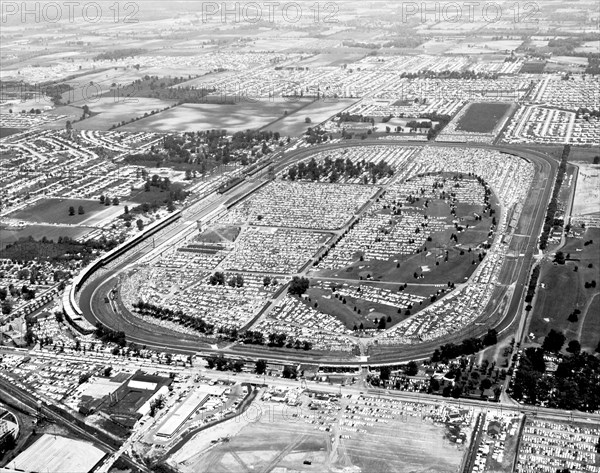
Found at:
(60, 417)
(94, 308)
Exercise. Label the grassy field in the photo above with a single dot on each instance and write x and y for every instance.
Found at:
(554, 303)
(225, 234)
(234, 117)
(585, 155)
(482, 117)
(4, 132)
(370, 312)
(589, 332)
(457, 269)
(57, 211)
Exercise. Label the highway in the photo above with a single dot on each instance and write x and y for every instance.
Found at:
(95, 309)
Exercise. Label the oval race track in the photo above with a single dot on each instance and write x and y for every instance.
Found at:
(114, 315)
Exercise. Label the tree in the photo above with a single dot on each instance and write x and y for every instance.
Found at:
(217, 279)
(559, 258)
(384, 373)
(412, 368)
(162, 468)
(84, 377)
(307, 120)
(554, 341)
(71, 211)
(102, 198)
(298, 286)
(486, 383)
(29, 337)
(289, 372)
(261, 367)
(80, 210)
(140, 224)
(381, 324)
(7, 307)
(7, 444)
(574, 347)
(115, 201)
(490, 338)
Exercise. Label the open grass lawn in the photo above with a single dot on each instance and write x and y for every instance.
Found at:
(57, 211)
(457, 269)
(4, 132)
(155, 194)
(346, 313)
(482, 117)
(590, 327)
(370, 312)
(580, 154)
(564, 291)
(225, 234)
(535, 67)
(430, 265)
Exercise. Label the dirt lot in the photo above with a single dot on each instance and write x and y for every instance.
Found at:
(587, 190)
(277, 437)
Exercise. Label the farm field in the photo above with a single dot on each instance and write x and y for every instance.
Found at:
(482, 117)
(295, 123)
(239, 116)
(56, 211)
(112, 111)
